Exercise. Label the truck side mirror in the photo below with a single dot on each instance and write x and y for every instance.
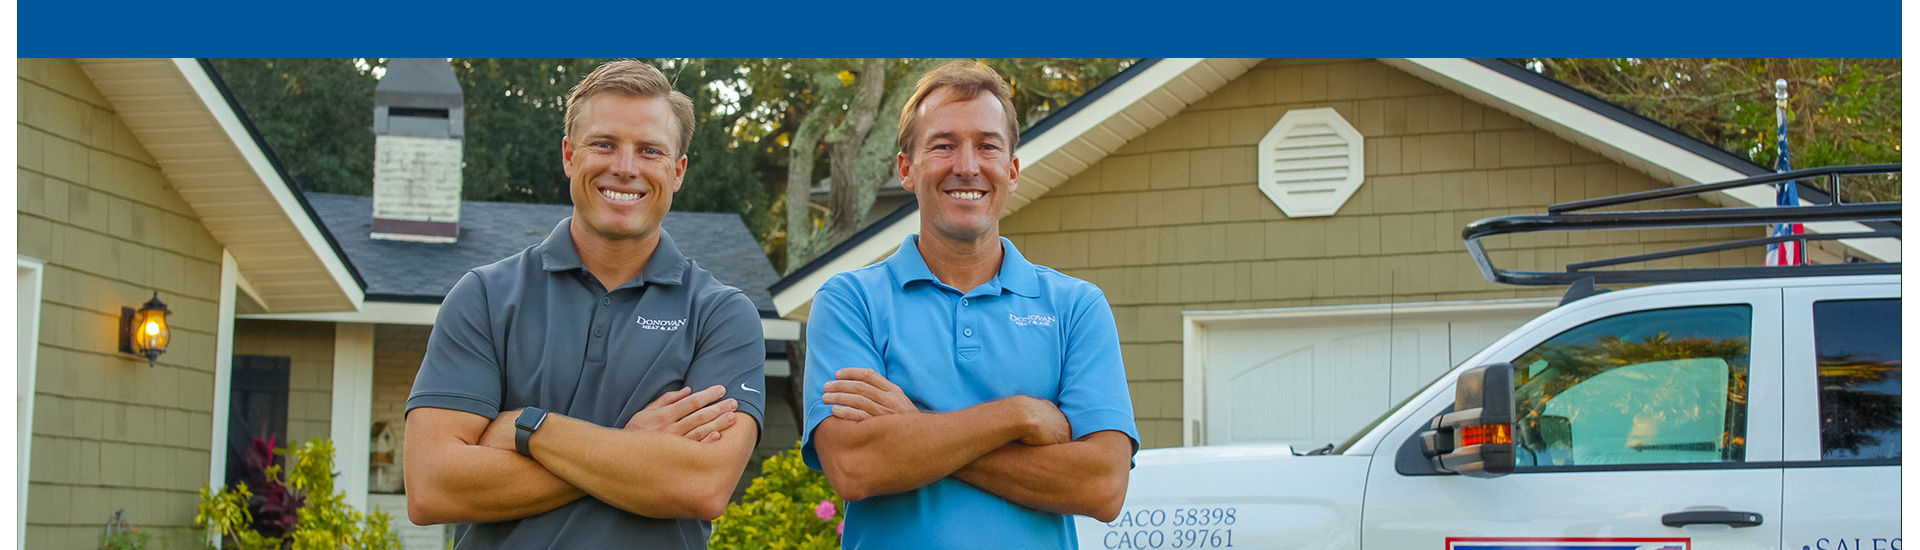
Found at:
(1476, 439)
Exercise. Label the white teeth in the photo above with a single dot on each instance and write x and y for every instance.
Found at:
(616, 195)
(967, 195)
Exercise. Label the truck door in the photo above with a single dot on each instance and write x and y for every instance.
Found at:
(1651, 421)
(1842, 352)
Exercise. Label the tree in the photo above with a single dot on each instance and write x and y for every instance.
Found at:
(760, 127)
(855, 118)
(1843, 111)
(316, 113)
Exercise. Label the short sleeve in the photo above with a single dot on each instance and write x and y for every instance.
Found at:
(839, 336)
(732, 352)
(1093, 380)
(460, 370)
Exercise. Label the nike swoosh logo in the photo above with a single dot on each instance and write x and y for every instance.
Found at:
(743, 385)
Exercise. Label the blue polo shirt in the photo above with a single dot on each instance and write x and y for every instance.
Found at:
(1030, 331)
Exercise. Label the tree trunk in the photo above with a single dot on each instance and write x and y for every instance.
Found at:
(846, 210)
(800, 151)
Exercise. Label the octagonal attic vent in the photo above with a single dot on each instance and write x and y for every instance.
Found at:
(1311, 162)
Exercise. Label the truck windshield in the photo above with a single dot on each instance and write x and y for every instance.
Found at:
(1355, 438)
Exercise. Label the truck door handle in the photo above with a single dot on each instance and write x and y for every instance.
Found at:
(1714, 517)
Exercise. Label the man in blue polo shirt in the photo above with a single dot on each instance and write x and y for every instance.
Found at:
(957, 395)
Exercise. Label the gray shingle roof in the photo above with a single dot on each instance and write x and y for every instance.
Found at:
(423, 272)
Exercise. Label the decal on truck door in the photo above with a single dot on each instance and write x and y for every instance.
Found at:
(1566, 543)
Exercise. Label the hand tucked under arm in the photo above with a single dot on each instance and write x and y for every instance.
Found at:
(877, 443)
(1086, 477)
(453, 477)
(648, 473)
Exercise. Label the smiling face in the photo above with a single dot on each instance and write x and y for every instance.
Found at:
(622, 166)
(961, 168)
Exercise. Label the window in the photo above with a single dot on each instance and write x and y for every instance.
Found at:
(1652, 387)
(1857, 349)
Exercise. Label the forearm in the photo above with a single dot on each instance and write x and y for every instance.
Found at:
(1087, 477)
(468, 483)
(901, 452)
(648, 473)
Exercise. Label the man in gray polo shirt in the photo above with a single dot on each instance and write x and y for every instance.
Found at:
(598, 389)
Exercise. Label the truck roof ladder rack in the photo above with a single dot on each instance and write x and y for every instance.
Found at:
(1882, 220)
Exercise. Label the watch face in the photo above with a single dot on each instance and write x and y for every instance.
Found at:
(530, 419)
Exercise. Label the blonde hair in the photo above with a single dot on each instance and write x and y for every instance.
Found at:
(967, 79)
(632, 78)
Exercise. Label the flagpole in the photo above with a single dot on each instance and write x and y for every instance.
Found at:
(1785, 193)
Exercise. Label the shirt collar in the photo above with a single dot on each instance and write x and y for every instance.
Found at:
(1016, 275)
(558, 253)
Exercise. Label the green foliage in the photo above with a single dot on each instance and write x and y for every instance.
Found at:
(326, 521)
(1842, 111)
(781, 510)
(318, 116)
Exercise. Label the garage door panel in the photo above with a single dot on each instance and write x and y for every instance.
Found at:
(1311, 380)
(1281, 386)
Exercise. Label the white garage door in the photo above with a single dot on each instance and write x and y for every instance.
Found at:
(1313, 376)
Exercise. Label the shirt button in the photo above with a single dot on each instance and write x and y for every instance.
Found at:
(963, 302)
(605, 300)
(968, 332)
(599, 332)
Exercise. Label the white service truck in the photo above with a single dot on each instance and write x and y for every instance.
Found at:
(1752, 408)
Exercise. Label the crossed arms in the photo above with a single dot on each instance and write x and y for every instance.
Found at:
(678, 457)
(1019, 448)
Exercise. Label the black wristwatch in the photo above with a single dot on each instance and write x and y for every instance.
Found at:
(523, 427)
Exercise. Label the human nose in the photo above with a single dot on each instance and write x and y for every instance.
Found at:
(967, 163)
(626, 164)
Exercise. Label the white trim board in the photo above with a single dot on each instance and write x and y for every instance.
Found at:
(351, 422)
(1195, 323)
(1073, 144)
(30, 276)
(216, 104)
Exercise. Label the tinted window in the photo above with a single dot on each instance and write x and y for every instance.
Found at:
(1652, 387)
(1857, 345)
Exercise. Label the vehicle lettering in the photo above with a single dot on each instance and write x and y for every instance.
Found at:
(1205, 527)
(1855, 543)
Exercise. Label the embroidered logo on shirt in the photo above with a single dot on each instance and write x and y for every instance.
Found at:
(1030, 320)
(660, 324)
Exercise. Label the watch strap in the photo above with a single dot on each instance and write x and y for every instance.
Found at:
(523, 427)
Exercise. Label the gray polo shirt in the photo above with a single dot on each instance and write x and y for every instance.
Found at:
(536, 329)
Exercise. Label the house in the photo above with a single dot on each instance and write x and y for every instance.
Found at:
(1280, 238)
(295, 314)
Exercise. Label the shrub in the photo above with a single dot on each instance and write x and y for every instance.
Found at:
(789, 506)
(321, 518)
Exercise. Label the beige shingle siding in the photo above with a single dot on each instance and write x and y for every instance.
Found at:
(309, 350)
(397, 351)
(110, 433)
(1174, 221)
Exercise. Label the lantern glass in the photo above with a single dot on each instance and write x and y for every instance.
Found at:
(150, 330)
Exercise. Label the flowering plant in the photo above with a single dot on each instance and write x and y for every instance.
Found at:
(789, 506)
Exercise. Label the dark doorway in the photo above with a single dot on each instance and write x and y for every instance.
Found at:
(257, 407)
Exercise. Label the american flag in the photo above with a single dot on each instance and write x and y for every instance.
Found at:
(1786, 193)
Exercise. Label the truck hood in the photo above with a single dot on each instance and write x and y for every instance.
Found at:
(1251, 496)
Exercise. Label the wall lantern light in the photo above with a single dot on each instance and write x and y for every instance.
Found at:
(144, 332)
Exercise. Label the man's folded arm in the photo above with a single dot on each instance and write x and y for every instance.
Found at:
(900, 452)
(452, 478)
(649, 473)
(1087, 476)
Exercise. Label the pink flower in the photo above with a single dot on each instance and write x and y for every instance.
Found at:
(842, 529)
(824, 510)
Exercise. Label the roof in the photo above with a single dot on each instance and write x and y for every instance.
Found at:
(400, 271)
(209, 152)
(1054, 149)
(1098, 123)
